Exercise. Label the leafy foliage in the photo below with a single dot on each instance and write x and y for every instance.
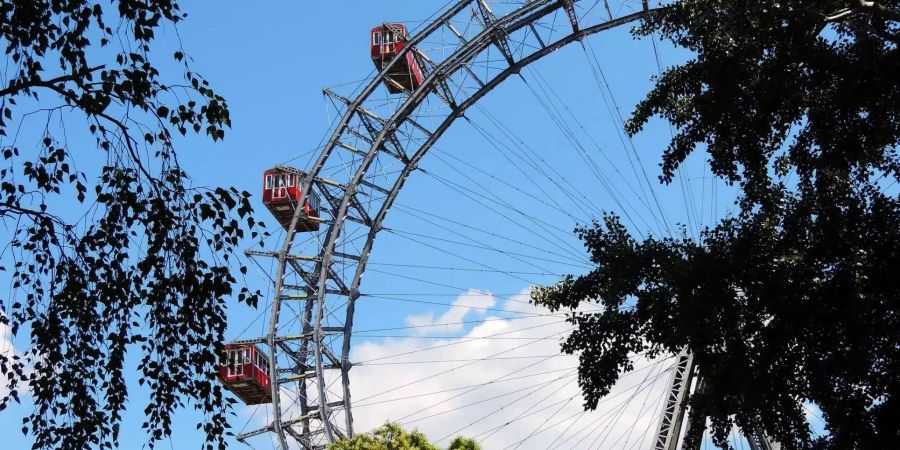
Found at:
(146, 263)
(393, 437)
(796, 297)
(462, 443)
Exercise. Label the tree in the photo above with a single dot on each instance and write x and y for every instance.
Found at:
(145, 263)
(393, 437)
(796, 296)
(462, 443)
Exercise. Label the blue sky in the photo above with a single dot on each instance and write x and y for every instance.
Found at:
(271, 60)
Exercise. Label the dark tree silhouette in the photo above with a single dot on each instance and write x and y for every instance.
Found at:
(146, 264)
(796, 296)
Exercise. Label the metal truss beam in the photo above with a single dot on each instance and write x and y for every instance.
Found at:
(569, 6)
(367, 117)
(333, 201)
(673, 413)
(670, 421)
(397, 152)
(537, 35)
(443, 91)
(498, 35)
(759, 441)
(317, 419)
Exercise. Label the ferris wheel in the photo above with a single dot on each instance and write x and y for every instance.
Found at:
(332, 210)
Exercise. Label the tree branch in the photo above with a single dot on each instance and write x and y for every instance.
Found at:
(126, 136)
(879, 10)
(866, 6)
(35, 83)
(6, 208)
(841, 14)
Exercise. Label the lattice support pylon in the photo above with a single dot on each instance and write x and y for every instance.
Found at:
(673, 416)
(673, 411)
(759, 441)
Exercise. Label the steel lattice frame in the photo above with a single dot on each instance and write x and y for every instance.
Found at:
(456, 81)
(453, 81)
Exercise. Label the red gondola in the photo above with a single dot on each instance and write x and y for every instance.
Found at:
(246, 373)
(281, 194)
(387, 40)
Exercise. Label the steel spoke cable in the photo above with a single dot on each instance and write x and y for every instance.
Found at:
(603, 418)
(485, 246)
(547, 23)
(407, 210)
(462, 322)
(658, 406)
(268, 300)
(610, 423)
(550, 93)
(404, 336)
(464, 258)
(523, 414)
(600, 421)
(435, 283)
(614, 110)
(640, 438)
(683, 175)
(582, 153)
(526, 412)
(499, 200)
(468, 339)
(539, 430)
(550, 229)
(444, 372)
(618, 416)
(534, 160)
(540, 387)
(421, 280)
(543, 225)
(557, 116)
(444, 391)
(534, 390)
(427, 302)
(255, 410)
(482, 308)
(566, 430)
(460, 269)
(445, 294)
(478, 402)
(509, 299)
(480, 245)
(554, 205)
(561, 378)
(500, 146)
(815, 415)
(640, 414)
(525, 154)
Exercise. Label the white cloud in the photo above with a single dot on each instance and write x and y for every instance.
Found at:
(501, 380)
(473, 301)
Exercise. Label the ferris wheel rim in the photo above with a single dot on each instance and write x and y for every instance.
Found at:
(529, 13)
